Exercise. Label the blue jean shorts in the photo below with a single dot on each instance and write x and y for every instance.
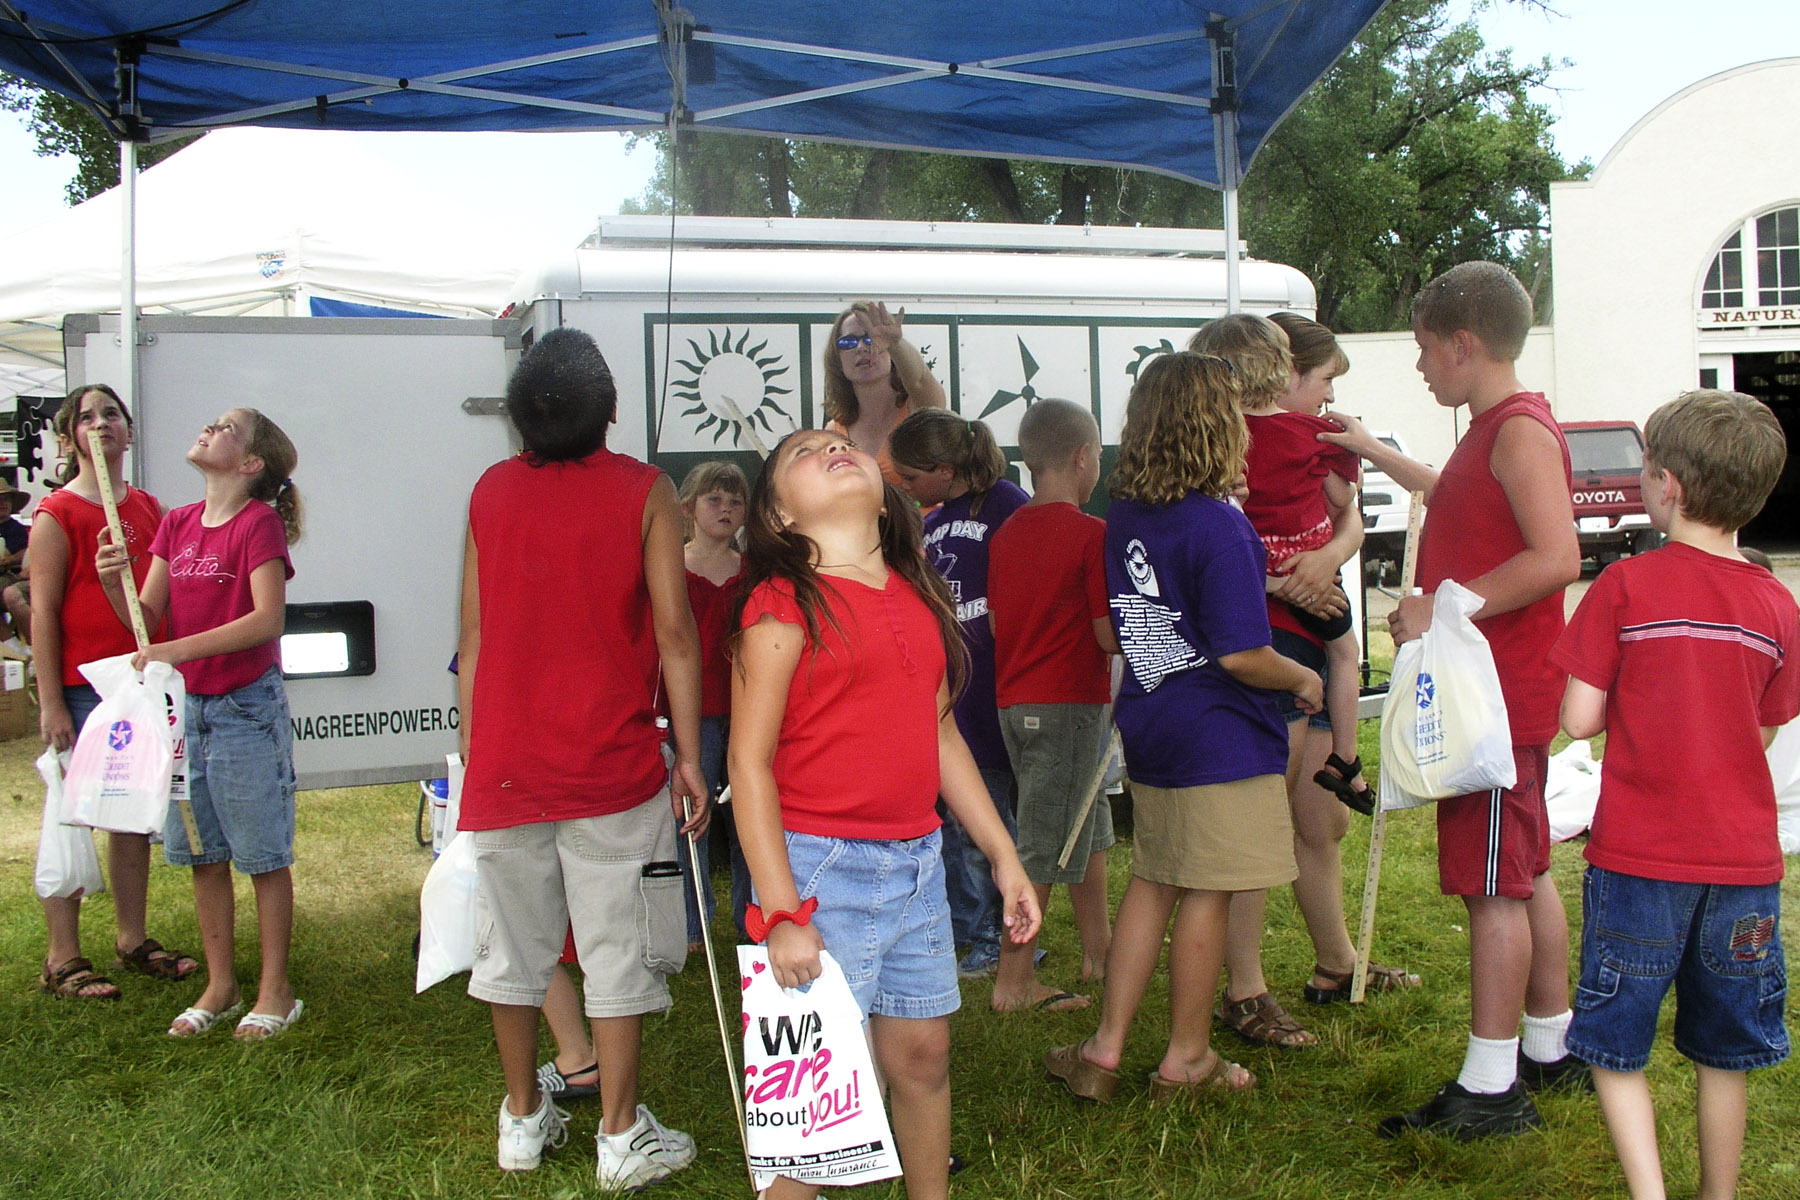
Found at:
(240, 763)
(883, 916)
(1718, 944)
(1308, 654)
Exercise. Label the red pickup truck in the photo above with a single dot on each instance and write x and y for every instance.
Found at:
(1606, 458)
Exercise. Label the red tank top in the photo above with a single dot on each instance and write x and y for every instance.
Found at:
(711, 603)
(563, 721)
(90, 628)
(1470, 530)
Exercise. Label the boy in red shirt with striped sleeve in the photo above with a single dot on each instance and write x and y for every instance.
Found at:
(1686, 647)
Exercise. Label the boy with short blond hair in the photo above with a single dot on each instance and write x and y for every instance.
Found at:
(1685, 647)
(1047, 600)
(1501, 522)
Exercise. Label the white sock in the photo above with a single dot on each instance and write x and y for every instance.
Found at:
(1545, 1037)
(1491, 1065)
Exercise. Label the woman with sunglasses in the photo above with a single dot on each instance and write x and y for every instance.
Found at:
(875, 378)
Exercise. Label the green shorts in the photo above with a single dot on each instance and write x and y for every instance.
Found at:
(1055, 751)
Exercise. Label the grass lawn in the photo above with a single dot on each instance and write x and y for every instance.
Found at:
(382, 1093)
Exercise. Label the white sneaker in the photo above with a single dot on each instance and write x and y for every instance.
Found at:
(642, 1154)
(522, 1139)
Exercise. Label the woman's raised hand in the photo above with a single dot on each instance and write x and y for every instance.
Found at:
(884, 327)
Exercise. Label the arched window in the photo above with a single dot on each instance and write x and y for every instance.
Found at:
(1768, 275)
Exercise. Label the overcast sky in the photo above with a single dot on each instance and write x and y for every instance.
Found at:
(1627, 57)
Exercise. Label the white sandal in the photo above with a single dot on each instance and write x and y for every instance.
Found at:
(268, 1024)
(199, 1020)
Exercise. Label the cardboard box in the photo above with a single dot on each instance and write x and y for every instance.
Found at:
(18, 715)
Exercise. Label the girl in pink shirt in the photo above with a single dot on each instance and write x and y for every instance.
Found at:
(842, 739)
(219, 572)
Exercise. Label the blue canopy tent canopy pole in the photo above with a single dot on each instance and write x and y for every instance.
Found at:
(128, 169)
(1224, 109)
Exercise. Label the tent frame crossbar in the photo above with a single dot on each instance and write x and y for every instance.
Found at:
(911, 70)
(441, 83)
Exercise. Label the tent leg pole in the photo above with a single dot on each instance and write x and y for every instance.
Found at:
(127, 381)
(1234, 298)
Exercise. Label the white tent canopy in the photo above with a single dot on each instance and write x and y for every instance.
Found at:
(257, 222)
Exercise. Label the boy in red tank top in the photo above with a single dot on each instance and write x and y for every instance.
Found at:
(1501, 523)
(574, 596)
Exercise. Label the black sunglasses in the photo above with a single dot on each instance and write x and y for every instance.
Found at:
(850, 341)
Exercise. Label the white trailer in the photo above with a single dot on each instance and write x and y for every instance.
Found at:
(723, 324)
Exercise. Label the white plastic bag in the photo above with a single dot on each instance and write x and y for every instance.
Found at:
(812, 1103)
(1444, 730)
(447, 914)
(119, 775)
(1572, 790)
(1784, 768)
(66, 862)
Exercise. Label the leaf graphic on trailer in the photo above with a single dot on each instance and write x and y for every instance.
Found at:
(1026, 393)
(731, 384)
(1146, 353)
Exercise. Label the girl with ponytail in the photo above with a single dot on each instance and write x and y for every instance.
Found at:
(219, 572)
(954, 464)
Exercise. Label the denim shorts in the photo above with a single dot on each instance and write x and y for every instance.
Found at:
(883, 916)
(81, 700)
(1719, 944)
(240, 763)
(1310, 655)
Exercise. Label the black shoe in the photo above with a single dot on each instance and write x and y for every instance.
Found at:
(1566, 1074)
(1466, 1116)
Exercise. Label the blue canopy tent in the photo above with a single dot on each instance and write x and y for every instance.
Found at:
(1185, 89)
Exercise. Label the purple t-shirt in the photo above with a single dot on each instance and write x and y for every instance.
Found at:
(956, 543)
(1185, 583)
(209, 586)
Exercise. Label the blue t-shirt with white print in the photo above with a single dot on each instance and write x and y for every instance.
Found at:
(956, 544)
(1185, 586)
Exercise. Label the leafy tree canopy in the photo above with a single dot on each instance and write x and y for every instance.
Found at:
(61, 126)
(1418, 150)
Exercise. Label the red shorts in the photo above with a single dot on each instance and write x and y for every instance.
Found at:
(1495, 843)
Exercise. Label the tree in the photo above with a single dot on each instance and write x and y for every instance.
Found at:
(62, 126)
(1418, 150)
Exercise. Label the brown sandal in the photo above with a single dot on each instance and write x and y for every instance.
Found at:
(149, 958)
(1261, 1021)
(71, 981)
(1379, 979)
(1088, 1080)
(1218, 1078)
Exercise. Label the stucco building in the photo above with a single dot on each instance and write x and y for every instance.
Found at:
(1677, 264)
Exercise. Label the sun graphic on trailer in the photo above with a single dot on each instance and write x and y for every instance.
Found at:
(731, 386)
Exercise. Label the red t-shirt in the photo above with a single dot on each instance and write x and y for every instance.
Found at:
(90, 627)
(1046, 585)
(1470, 530)
(858, 750)
(563, 720)
(1691, 650)
(209, 586)
(711, 603)
(1285, 470)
